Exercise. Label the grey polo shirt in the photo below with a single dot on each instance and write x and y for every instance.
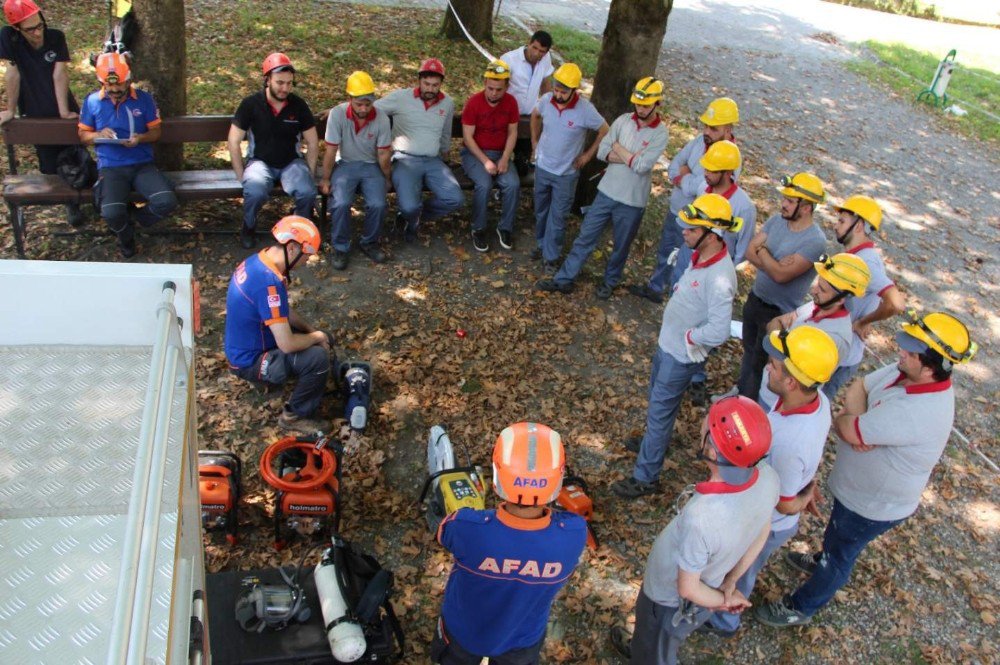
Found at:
(564, 132)
(781, 242)
(909, 427)
(630, 183)
(418, 128)
(860, 307)
(711, 534)
(357, 141)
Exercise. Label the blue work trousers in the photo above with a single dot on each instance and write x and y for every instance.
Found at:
(409, 175)
(509, 184)
(846, 535)
(670, 239)
(775, 539)
(667, 383)
(348, 178)
(259, 179)
(553, 201)
(625, 220)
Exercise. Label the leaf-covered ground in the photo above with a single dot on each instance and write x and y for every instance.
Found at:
(927, 593)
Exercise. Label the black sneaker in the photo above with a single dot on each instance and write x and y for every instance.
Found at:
(536, 254)
(338, 260)
(375, 253)
(604, 291)
(506, 241)
(126, 242)
(410, 234)
(644, 291)
(802, 562)
(621, 641)
(552, 285)
(630, 488)
(699, 393)
(480, 242)
(248, 238)
(551, 268)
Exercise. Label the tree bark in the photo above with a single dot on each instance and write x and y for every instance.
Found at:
(630, 50)
(160, 64)
(476, 15)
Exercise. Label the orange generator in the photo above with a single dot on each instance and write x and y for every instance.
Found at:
(219, 478)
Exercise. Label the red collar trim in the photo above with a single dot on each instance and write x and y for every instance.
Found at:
(523, 523)
(570, 104)
(707, 262)
(726, 194)
(719, 487)
(817, 315)
(275, 110)
(805, 409)
(655, 122)
(864, 245)
(921, 388)
(359, 124)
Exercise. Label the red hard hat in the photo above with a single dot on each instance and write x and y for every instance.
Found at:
(18, 10)
(432, 66)
(740, 430)
(276, 60)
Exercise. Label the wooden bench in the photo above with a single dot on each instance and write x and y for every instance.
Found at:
(24, 190)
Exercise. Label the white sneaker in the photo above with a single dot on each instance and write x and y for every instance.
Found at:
(732, 392)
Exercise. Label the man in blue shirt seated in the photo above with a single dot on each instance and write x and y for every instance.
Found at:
(510, 562)
(122, 121)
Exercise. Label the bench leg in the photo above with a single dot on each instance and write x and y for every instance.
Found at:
(17, 224)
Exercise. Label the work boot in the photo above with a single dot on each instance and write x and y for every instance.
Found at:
(630, 488)
(74, 215)
(506, 240)
(248, 237)
(338, 260)
(292, 422)
(643, 291)
(126, 242)
(375, 253)
(633, 444)
(552, 285)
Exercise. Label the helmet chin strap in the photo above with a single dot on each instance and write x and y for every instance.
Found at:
(704, 234)
(289, 264)
(842, 239)
(840, 296)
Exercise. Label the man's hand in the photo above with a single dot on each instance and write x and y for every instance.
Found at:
(69, 115)
(736, 602)
(132, 141)
(684, 170)
(322, 339)
(814, 500)
(107, 133)
(786, 320)
(6, 116)
(503, 165)
(862, 330)
(490, 167)
(861, 447)
(581, 160)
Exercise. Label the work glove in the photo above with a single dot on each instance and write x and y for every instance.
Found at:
(696, 352)
(672, 257)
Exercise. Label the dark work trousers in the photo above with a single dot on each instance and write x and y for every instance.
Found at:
(446, 651)
(311, 367)
(114, 187)
(756, 315)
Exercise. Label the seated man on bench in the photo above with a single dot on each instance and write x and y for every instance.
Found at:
(124, 153)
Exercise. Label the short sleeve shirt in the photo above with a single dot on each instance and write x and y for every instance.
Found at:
(37, 97)
(274, 134)
(710, 534)
(491, 122)
(358, 140)
(256, 298)
(909, 427)
(526, 80)
(797, 440)
(135, 115)
(781, 242)
(564, 132)
(869, 302)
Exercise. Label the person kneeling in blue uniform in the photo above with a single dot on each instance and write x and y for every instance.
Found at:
(510, 562)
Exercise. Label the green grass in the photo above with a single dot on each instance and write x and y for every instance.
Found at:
(905, 7)
(576, 46)
(975, 87)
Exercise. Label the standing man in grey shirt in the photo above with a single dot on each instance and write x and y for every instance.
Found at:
(783, 252)
(892, 432)
(697, 559)
(421, 139)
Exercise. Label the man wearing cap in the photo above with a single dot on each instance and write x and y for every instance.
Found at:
(783, 252)
(840, 278)
(489, 130)
(421, 139)
(559, 125)
(276, 121)
(123, 121)
(359, 140)
(530, 69)
(695, 321)
(801, 361)
(697, 559)
(36, 80)
(631, 148)
(687, 174)
(858, 220)
(891, 433)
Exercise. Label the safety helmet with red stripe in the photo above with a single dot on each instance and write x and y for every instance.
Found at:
(431, 66)
(740, 430)
(278, 61)
(528, 464)
(113, 68)
(299, 229)
(17, 10)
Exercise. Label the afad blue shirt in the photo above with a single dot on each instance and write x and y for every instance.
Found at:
(135, 115)
(256, 299)
(506, 574)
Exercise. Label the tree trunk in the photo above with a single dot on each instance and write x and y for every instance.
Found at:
(630, 50)
(159, 64)
(476, 15)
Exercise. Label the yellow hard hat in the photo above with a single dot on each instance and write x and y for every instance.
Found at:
(941, 332)
(808, 353)
(721, 111)
(648, 90)
(804, 186)
(711, 211)
(864, 207)
(721, 156)
(498, 69)
(845, 272)
(360, 84)
(569, 75)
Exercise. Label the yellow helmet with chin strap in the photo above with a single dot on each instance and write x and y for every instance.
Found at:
(711, 211)
(943, 333)
(845, 272)
(648, 90)
(807, 353)
(864, 207)
(803, 186)
(721, 156)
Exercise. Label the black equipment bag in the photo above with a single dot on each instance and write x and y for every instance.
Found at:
(367, 588)
(75, 165)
